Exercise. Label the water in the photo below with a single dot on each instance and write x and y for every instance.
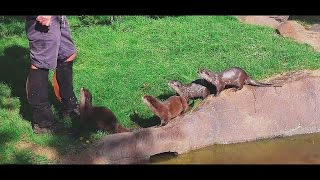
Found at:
(300, 149)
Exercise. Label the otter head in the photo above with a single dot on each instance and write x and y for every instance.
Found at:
(85, 98)
(175, 83)
(208, 76)
(177, 86)
(147, 99)
(151, 102)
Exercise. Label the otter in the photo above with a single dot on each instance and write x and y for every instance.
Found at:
(97, 117)
(189, 91)
(234, 76)
(167, 110)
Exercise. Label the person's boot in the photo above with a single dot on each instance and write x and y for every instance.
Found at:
(64, 90)
(37, 95)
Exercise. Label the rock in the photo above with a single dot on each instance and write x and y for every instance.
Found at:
(315, 28)
(232, 117)
(296, 31)
(286, 28)
(271, 21)
(293, 30)
(280, 19)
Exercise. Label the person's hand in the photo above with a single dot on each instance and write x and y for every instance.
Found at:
(44, 20)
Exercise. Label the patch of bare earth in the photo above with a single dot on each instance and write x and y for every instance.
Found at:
(49, 152)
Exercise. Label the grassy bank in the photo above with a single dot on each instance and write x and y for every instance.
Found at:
(135, 56)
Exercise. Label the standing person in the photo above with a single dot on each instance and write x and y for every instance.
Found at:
(51, 47)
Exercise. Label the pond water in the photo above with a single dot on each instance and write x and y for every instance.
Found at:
(300, 149)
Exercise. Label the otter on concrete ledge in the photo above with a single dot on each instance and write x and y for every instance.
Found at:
(231, 77)
(167, 110)
(100, 118)
(189, 91)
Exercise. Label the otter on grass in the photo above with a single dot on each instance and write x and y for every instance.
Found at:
(167, 110)
(98, 118)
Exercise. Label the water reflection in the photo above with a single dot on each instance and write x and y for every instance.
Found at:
(301, 149)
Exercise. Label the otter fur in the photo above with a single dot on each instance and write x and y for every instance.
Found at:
(97, 117)
(189, 91)
(167, 110)
(234, 76)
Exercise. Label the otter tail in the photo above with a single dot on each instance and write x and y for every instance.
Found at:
(255, 83)
(121, 129)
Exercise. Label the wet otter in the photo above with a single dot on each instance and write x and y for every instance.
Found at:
(167, 110)
(98, 117)
(189, 91)
(231, 77)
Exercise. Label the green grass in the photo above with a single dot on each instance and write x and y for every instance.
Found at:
(134, 57)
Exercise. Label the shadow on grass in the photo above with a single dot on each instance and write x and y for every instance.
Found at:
(10, 19)
(28, 157)
(19, 156)
(164, 97)
(145, 122)
(6, 137)
(11, 25)
(15, 65)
